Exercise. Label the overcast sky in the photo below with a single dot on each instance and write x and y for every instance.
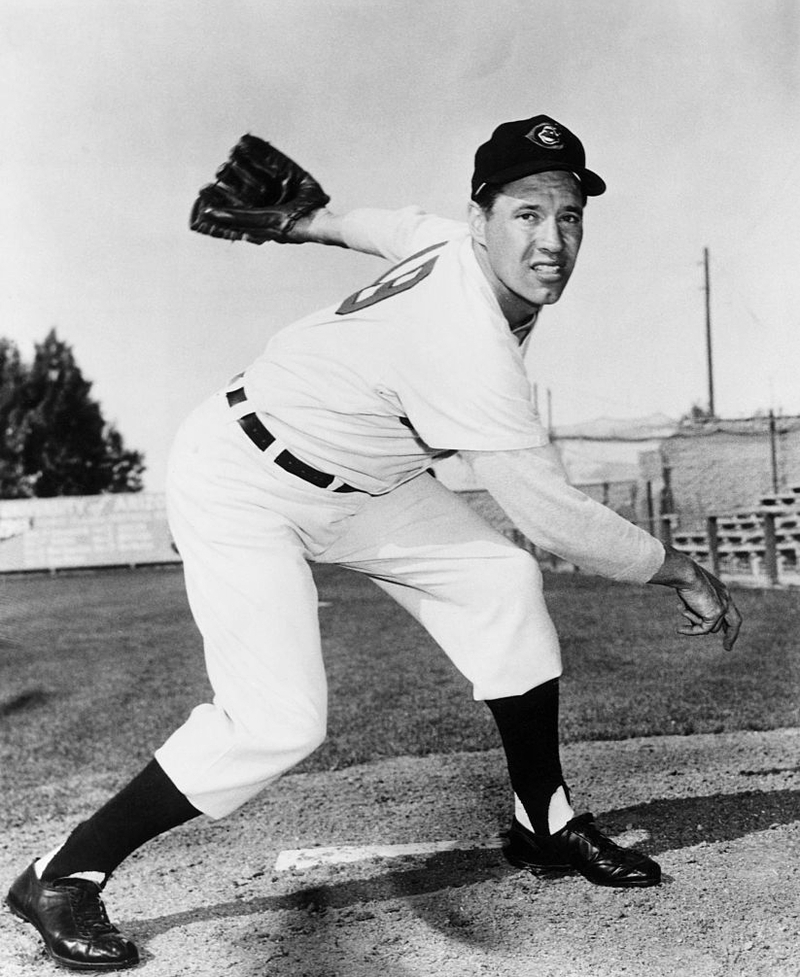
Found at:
(116, 111)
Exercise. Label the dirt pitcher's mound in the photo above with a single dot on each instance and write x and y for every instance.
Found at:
(720, 813)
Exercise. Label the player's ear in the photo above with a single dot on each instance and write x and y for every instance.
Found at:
(476, 219)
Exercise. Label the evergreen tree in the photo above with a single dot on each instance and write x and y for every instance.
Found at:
(12, 375)
(122, 469)
(63, 444)
(697, 414)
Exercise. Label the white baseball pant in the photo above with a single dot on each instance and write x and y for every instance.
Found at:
(246, 531)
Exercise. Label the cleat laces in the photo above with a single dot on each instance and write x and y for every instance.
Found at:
(590, 829)
(604, 845)
(88, 910)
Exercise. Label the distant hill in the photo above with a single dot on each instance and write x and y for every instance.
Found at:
(622, 429)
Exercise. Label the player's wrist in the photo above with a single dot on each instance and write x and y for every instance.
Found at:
(677, 570)
(321, 226)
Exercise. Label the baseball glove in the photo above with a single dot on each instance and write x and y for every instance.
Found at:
(259, 195)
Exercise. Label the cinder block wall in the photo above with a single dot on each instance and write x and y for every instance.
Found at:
(721, 467)
(728, 467)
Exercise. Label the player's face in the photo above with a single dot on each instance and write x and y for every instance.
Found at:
(528, 242)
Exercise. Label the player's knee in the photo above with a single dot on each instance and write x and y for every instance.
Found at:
(313, 738)
(312, 728)
(515, 575)
(289, 738)
(305, 734)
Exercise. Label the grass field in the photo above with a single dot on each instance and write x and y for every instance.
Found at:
(96, 669)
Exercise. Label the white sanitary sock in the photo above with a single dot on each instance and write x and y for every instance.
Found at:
(559, 812)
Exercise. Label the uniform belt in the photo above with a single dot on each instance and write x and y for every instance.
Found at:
(262, 439)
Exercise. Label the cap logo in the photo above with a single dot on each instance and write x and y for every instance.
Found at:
(547, 135)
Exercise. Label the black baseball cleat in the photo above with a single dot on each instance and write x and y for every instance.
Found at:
(580, 845)
(72, 921)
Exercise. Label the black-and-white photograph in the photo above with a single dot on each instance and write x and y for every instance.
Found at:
(400, 488)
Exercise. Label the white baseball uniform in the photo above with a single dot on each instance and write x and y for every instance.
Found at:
(318, 453)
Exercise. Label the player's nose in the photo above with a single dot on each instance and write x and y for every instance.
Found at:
(550, 238)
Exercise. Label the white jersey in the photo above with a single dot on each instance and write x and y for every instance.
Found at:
(420, 363)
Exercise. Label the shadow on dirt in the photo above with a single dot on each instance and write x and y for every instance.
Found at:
(673, 824)
(682, 822)
(436, 872)
(24, 701)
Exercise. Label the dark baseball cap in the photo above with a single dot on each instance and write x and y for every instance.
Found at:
(535, 145)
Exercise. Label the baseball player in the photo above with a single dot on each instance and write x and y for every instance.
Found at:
(319, 452)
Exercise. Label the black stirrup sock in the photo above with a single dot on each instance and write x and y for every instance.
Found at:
(528, 726)
(149, 805)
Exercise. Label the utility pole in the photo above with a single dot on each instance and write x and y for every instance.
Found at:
(709, 357)
(549, 412)
(773, 453)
